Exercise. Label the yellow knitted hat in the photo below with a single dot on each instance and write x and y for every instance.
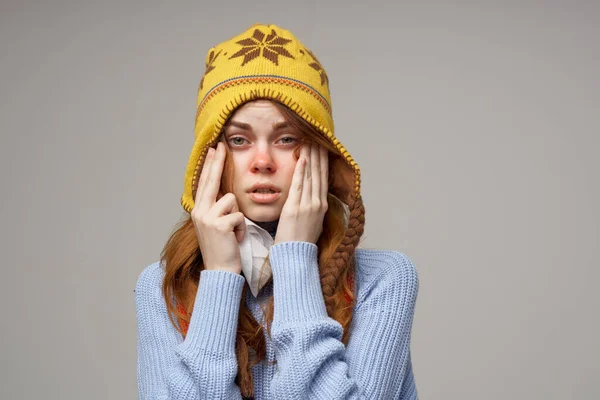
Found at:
(268, 62)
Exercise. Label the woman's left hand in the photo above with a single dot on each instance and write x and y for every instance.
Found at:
(304, 210)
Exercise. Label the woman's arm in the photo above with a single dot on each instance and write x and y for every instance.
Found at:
(204, 365)
(312, 361)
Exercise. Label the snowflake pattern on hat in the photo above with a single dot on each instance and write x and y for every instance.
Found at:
(209, 65)
(271, 46)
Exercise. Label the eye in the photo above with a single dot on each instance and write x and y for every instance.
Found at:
(291, 141)
(237, 138)
(237, 141)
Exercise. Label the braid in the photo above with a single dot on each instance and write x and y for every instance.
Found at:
(331, 272)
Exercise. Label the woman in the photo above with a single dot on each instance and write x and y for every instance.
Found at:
(330, 321)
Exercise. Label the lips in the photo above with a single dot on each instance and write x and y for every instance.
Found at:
(264, 198)
(264, 191)
(264, 188)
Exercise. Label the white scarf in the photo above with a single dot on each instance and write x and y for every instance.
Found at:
(254, 248)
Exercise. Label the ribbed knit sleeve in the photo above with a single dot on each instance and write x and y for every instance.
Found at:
(204, 365)
(312, 361)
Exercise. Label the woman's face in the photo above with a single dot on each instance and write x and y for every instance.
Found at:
(262, 148)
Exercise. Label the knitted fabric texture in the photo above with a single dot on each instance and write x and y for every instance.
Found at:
(266, 62)
(311, 362)
(185, 325)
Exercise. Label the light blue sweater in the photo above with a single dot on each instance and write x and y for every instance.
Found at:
(312, 361)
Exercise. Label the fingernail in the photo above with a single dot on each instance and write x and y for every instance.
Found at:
(211, 151)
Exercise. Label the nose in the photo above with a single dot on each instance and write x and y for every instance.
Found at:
(262, 161)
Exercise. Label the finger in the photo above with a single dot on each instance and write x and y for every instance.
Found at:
(224, 206)
(324, 173)
(239, 228)
(213, 180)
(295, 193)
(307, 185)
(204, 174)
(315, 169)
(234, 222)
(220, 194)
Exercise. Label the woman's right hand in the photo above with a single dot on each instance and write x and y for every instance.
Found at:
(220, 225)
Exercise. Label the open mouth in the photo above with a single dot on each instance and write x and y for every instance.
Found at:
(266, 191)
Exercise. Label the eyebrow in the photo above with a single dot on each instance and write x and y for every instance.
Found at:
(245, 126)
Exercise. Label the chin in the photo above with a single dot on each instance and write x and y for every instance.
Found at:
(263, 214)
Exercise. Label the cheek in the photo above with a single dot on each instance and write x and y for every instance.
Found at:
(239, 175)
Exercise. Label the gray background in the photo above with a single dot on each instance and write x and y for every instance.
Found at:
(475, 125)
